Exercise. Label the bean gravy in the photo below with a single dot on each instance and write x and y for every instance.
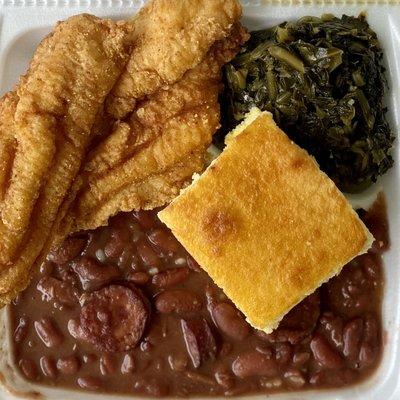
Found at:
(125, 309)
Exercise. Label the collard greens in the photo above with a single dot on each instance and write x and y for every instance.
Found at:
(323, 80)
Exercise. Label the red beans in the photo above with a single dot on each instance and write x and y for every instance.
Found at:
(171, 277)
(89, 383)
(128, 364)
(48, 367)
(179, 301)
(21, 330)
(107, 365)
(57, 291)
(195, 343)
(119, 239)
(113, 318)
(230, 321)
(68, 365)
(138, 278)
(92, 274)
(29, 369)
(146, 253)
(352, 333)
(68, 250)
(326, 356)
(48, 332)
(164, 241)
(254, 363)
(200, 342)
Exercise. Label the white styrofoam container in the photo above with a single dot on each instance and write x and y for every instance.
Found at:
(23, 23)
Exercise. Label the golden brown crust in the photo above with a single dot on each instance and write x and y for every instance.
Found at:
(266, 224)
(170, 40)
(56, 104)
(163, 134)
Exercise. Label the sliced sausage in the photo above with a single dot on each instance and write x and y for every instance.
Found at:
(113, 318)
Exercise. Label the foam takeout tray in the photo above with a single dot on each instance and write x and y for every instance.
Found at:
(23, 23)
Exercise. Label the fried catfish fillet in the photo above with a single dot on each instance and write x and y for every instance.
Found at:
(49, 119)
(171, 38)
(151, 155)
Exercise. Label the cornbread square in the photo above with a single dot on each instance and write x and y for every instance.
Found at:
(266, 223)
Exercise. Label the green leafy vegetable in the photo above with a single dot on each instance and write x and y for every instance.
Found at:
(323, 80)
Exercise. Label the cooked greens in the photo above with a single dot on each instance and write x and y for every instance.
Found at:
(323, 80)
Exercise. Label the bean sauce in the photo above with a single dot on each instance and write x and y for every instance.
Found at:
(126, 309)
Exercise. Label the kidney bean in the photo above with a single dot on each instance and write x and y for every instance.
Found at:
(163, 241)
(325, 355)
(144, 219)
(128, 364)
(300, 358)
(280, 335)
(371, 330)
(225, 349)
(200, 342)
(147, 255)
(294, 378)
(283, 353)
(48, 332)
(28, 368)
(270, 383)
(333, 328)
(48, 367)
(192, 264)
(138, 278)
(68, 365)
(304, 316)
(55, 290)
(230, 321)
(112, 318)
(224, 377)
(107, 365)
(92, 274)
(70, 248)
(352, 333)
(179, 301)
(178, 362)
(333, 378)
(254, 363)
(89, 383)
(170, 277)
(21, 330)
(117, 242)
(367, 355)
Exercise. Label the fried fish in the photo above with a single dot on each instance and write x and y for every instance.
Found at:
(162, 143)
(171, 38)
(45, 128)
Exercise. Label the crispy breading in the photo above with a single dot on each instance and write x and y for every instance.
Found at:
(266, 223)
(56, 104)
(171, 38)
(159, 139)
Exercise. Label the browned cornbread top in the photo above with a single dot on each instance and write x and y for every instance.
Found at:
(265, 223)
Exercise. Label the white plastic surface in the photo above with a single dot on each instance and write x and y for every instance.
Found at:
(24, 23)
